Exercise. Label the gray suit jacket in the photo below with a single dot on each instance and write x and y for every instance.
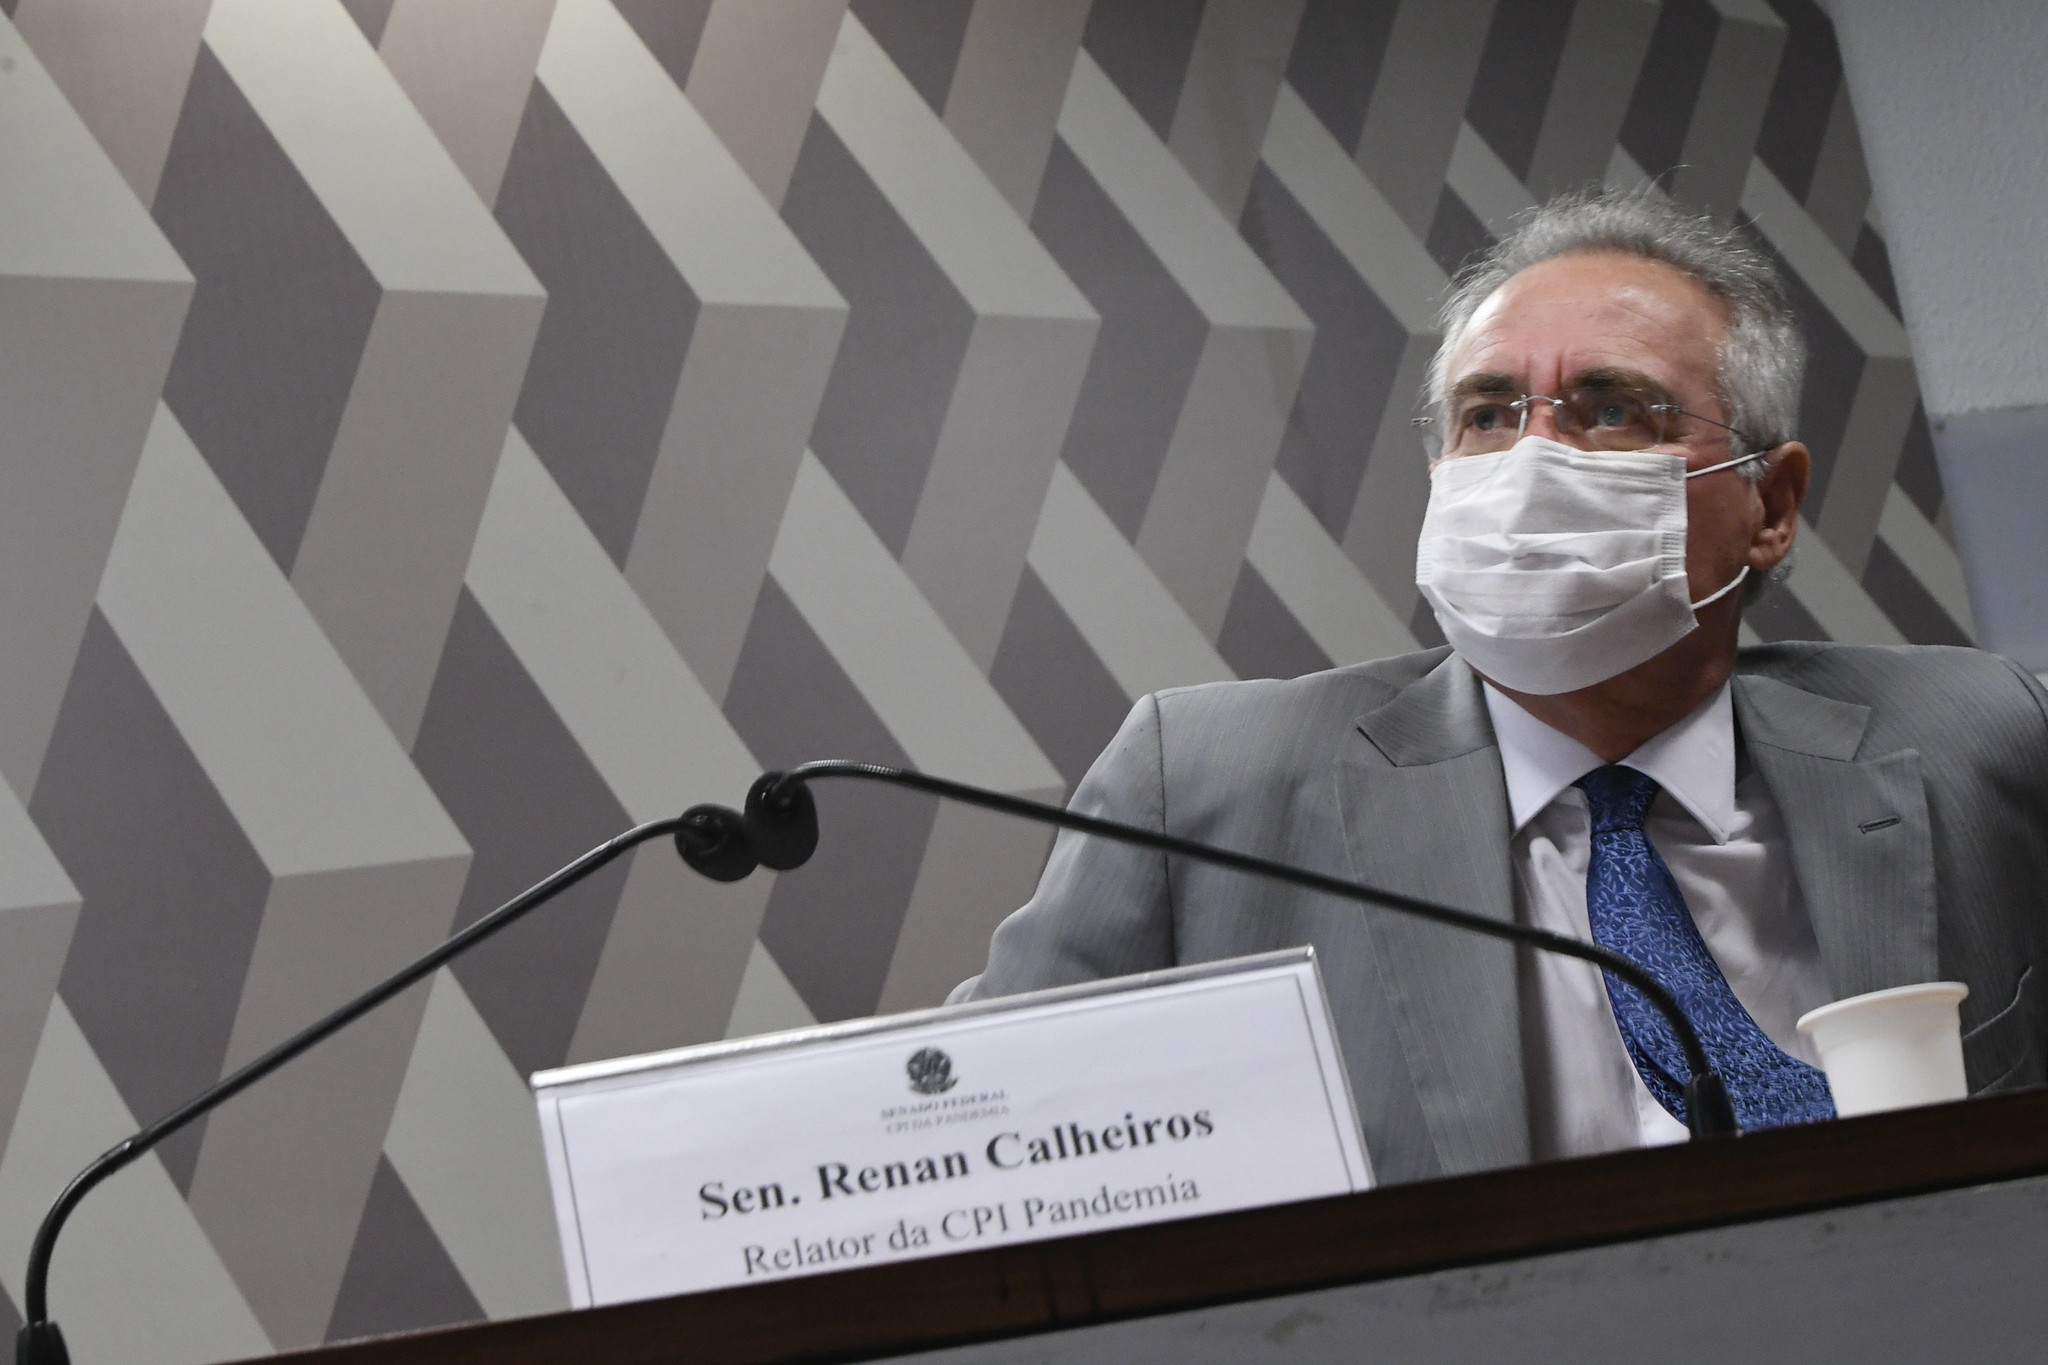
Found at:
(1913, 784)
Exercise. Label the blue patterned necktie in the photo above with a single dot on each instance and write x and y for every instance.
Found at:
(1637, 911)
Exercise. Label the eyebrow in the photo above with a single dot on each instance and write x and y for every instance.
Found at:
(1486, 382)
(1616, 377)
(1489, 383)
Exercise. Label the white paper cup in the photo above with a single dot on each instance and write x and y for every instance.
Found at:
(1891, 1049)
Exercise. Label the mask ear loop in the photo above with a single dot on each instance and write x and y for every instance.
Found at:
(1733, 584)
(1736, 581)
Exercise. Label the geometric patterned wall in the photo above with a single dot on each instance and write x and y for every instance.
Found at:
(435, 434)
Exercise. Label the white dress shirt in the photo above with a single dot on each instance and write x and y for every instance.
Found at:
(1719, 832)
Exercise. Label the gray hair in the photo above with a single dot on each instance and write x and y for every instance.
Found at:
(1763, 355)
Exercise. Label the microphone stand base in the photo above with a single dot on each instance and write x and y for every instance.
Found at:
(1708, 1111)
(40, 1343)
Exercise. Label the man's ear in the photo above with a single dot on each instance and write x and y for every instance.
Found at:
(1782, 491)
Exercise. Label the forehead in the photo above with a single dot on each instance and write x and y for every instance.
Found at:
(1595, 310)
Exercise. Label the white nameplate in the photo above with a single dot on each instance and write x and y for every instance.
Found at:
(1160, 1096)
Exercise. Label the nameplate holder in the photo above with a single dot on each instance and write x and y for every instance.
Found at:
(1165, 1095)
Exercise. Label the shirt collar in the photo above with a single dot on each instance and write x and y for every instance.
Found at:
(1694, 760)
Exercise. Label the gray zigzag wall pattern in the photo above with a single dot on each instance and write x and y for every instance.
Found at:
(435, 434)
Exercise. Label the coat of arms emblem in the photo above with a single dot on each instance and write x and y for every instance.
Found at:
(931, 1071)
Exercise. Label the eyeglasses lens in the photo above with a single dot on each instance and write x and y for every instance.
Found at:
(1591, 418)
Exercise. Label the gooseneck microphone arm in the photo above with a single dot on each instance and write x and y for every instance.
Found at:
(40, 1342)
(780, 829)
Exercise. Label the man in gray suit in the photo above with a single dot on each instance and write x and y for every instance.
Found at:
(1768, 828)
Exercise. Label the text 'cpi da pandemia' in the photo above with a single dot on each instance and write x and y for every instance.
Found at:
(1063, 1178)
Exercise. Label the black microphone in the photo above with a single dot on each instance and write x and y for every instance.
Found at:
(709, 837)
(779, 830)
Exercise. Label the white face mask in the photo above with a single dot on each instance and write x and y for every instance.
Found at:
(1551, 569)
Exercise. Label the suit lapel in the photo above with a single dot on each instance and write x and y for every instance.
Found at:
(1427, 814)
(1862, 847)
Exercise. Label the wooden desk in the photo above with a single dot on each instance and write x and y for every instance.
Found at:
(1169, 1268)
